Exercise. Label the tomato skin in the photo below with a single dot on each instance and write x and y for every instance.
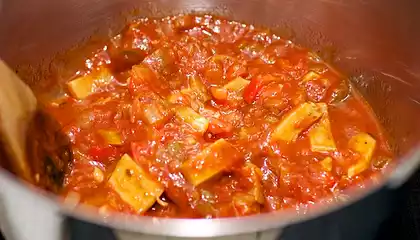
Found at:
(251, 91)
(220, 94)
(102, 153)
(217, 126)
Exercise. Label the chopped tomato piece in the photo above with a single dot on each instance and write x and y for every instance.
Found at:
(252, 90)
(102, 153)
(217, 126)
(219, 93)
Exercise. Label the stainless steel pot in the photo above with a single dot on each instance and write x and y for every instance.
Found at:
(374, 41)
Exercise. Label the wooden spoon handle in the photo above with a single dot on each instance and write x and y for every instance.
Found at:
(17, 106)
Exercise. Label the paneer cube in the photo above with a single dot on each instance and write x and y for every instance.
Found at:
(98, 175)
(311, 75)
(82, 87)
(357, 168)
(364, 145)
(110, 136)
(244, 204)
(255, 174)
(143, 74)
(199, 89)
(192, 118)
(296, 121)
(162, 60)
(326, 164)
(237, 84)
(154, 113)
(134, 185)
(320, 135)
(212, 160)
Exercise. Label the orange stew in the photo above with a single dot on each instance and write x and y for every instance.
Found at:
(202, 117)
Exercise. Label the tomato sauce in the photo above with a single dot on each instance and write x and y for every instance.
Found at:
(196, 116)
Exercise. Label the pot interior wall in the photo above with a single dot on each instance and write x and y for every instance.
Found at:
(374, 42)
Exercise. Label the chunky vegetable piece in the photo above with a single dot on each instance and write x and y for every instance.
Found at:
(326, 164)
(255, 175)
(310, 76)
(296, 121)
(212, 160)
(84, 86)
(320, 135)
(154, 113)
(364, 145)
(98, 174)
(81, 87)
(219, 93)
(222, 119)
(195, 120)
(161, 60)
(133, 185)
(197, 86)
(237, 84)
(245, 204)
(111, 137)
(143, 74)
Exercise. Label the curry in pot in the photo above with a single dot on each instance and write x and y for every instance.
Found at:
(196, 116)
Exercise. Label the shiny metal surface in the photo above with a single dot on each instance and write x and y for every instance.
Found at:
(374, 41)
(266, 235)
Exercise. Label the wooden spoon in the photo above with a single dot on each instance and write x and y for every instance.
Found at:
(17, 107)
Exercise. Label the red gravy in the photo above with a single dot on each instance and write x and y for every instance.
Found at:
(196, 116)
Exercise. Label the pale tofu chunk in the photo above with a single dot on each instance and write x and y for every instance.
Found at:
(237, 84)
(357, 168)
(192, 118)
(210, 161)
(98, 175)
(197, 87)
(134, 185)
(296, 121)
(111, 137)
(310, 76)
(155, 113)
(364, 145)
(82, 87)
(326, 164)
(320, 136)
(256, 175)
